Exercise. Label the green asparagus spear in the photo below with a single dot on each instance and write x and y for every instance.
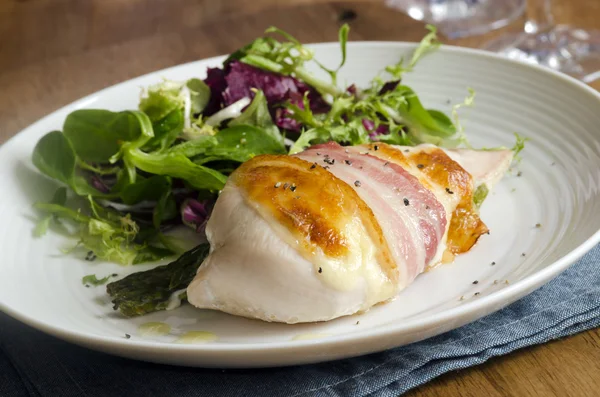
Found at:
(146, 292)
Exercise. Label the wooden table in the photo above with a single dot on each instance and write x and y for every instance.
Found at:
(55, 51)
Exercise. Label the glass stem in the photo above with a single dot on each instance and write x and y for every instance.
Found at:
(539, 16)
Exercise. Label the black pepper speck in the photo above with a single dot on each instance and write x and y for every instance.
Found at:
(406, 202)
(357, 183)
(90, 256)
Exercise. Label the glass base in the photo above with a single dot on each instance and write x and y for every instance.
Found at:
(461, 18)
(562, 48)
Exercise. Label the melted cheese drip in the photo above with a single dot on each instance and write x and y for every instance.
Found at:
(175, 300)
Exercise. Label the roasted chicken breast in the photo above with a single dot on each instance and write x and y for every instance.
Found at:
(334, 230)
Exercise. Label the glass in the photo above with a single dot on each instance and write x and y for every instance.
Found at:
(461, 18)
(559, 47)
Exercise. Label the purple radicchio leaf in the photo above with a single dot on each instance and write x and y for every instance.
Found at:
(215, 80)
(98, 184)
(278, 89)
(283, 117)
(389, 86)
(195, 213)
(283, 120)
(369, 125)
(241, 78)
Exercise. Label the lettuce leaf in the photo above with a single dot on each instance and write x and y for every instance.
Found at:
(288, 57)
(428, 44)
(108, 234)
(257, 114)
(353, 133)
(161, 99)
(55, 157)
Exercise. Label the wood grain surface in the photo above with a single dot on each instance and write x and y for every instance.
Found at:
(53, 52)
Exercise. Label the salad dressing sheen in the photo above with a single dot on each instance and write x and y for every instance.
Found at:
(196, 337)
(154, 329)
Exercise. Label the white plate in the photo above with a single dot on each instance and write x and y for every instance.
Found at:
(558, 188)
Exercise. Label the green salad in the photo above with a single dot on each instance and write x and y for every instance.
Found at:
(136, 174)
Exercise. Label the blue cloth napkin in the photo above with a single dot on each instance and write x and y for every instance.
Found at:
(32, 363)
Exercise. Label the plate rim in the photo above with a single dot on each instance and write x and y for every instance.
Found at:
(509, 294)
